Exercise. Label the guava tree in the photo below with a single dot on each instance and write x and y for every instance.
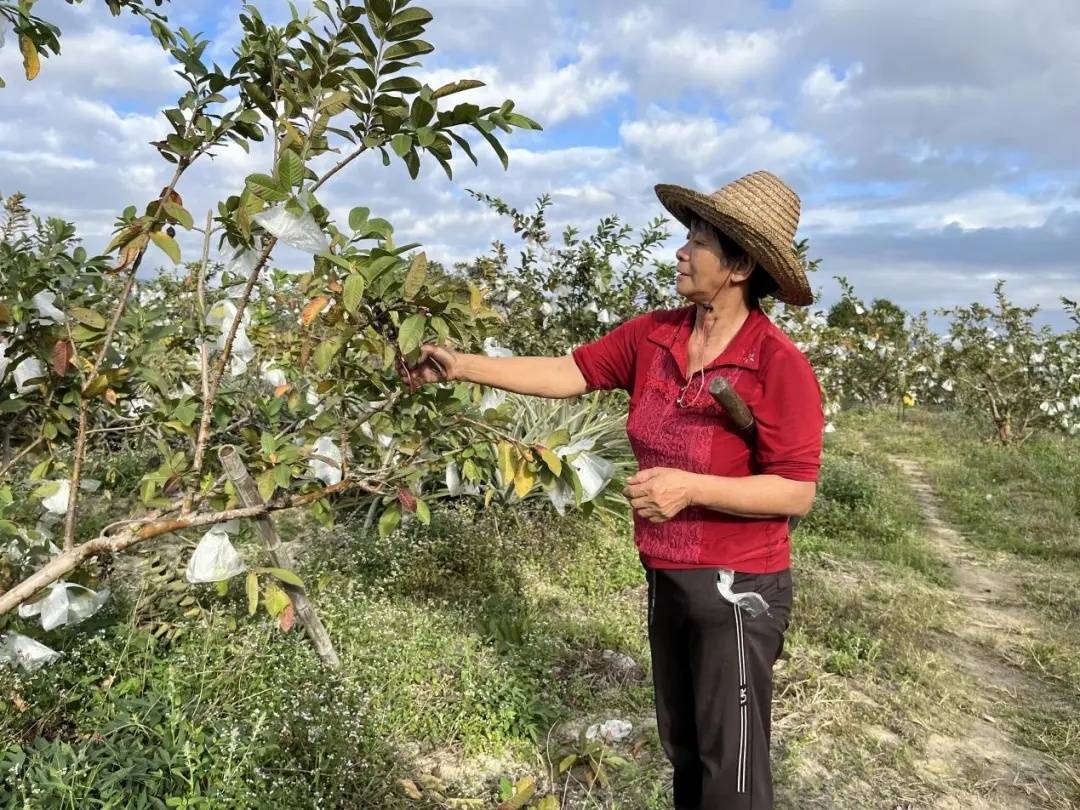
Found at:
(292, 376)
(1021, 379)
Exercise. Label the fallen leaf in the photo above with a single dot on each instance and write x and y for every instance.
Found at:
(282, 390)
(524, 790)
(410, 788)
(20, 704)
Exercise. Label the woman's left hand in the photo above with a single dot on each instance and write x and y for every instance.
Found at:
(658, 493)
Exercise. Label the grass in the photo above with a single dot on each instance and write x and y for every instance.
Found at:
(473, 656)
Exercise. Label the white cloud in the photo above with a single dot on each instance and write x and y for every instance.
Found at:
(670, 58)
(553, 94)
(822, 86)
(715, 151)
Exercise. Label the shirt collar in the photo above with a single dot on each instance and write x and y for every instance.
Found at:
(743, 351)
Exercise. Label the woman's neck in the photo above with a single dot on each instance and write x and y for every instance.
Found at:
(720, 322)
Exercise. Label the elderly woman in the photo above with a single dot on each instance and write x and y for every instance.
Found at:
(711, 504)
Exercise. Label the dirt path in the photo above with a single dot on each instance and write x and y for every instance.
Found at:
(984, 767)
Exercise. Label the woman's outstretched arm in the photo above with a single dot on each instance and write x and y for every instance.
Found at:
(554, 377)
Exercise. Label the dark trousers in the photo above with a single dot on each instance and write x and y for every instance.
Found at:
(712, 671)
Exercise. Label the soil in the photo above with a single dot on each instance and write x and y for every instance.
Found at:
(983, 764)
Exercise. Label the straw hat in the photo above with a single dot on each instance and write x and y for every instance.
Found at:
(760, 212)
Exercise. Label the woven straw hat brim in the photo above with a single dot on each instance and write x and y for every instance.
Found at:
(767, 243)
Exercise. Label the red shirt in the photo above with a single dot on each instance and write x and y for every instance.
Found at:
(647, 357)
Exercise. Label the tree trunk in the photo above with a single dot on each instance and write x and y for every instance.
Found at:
(305, 611)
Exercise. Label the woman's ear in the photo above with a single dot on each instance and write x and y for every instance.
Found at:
(743, 268)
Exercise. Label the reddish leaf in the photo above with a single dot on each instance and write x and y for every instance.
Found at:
(313, 308)
(282, 390)
(287, 618)
(110, 396)
(61, 357)
(406, 499)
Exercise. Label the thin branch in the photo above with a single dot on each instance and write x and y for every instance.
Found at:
(72, 558)
(338, 167)
(84, 403)
(22, 453)
(204, 357)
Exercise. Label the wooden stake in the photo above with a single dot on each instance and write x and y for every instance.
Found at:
(305, 611)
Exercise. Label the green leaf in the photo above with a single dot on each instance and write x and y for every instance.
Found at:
(457, 87)
(96, 386)
(47, 490)
(390, 519)
(252, 586)
(267, 484)
(423, 512)
(13, 405)
(290, 168)
(506, 461)
(381, 10)
(276, 600)
(167, 244)
(411, 16)
(401, 84)
(553, 462)
(401, 144)
(88, 317)
(558, 438)
(358, 217)
(425, 137)
(412, 161)
(496, 146)
(415, 278)
(287, 576)
(407, 49)
(267, 188)
(353, 293)
(422, 112)
(521, 121)
(336, 102)
(325, 353)
(181, 215)
(411, 333)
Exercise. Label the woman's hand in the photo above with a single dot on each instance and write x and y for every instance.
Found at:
(436, 364)
(658, 493)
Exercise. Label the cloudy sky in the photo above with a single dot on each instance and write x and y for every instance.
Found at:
(934, 144)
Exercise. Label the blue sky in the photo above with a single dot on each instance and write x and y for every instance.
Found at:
(933, 145)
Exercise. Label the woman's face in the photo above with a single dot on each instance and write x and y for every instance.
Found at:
(702, 269)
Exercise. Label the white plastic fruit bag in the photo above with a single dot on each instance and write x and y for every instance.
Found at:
(301, 231)
(66, 603)
(22, 651)
(214, 559)
(327, 472)
(593, 472)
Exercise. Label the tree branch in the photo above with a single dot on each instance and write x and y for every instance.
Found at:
(72, 558)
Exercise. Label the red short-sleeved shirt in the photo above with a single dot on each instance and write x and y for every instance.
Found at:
(647, 356)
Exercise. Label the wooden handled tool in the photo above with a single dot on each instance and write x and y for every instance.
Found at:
(732, 404)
